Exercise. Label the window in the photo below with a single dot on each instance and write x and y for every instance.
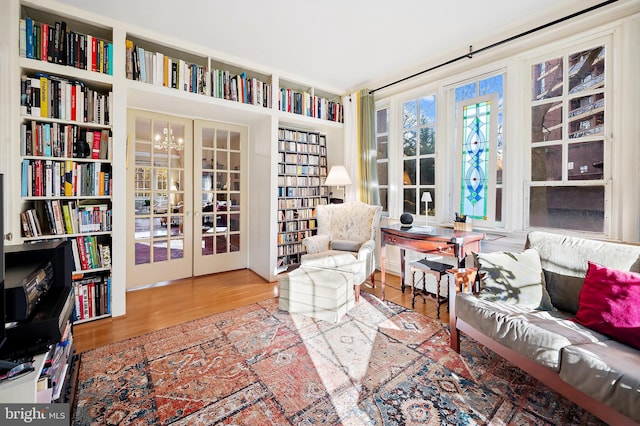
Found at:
(382, 139)
(568, 185)
(479, 121)
(419, 154)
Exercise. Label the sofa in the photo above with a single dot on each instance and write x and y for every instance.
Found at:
(567, 311)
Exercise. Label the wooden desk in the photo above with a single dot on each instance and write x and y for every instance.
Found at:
(444, 241)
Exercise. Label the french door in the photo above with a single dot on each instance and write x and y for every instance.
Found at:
(185, 198)
(220, 201)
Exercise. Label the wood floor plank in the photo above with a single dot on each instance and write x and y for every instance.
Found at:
(165, 305)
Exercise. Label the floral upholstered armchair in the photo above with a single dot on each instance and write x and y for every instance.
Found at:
(344, 228)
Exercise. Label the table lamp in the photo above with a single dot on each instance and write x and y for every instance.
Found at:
(337, 177)
(426, 197)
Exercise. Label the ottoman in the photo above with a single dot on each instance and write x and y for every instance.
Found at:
(340, 260)
(321, 293)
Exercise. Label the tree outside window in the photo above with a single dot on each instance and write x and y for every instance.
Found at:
(418, 144)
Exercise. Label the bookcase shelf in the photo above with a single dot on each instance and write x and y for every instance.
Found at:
(302, 168)
(127, 95)
(162, 65)
(66, 106)
(48, 37)
(298, 99)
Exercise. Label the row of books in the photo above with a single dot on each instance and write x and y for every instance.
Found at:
(300, 136)
(298, 180)
(92, 297)
(90, 252)
(240, 88)
(59, 44)
(160, 69)
(56, 366)
(296, 158)
(297, 191)
(63, 141)
(45, 96)
(68, 178)
(311, 106)
(53, 217)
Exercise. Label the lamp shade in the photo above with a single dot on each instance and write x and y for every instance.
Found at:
(426, 197)
(337, 176)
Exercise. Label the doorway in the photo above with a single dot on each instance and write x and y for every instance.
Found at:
(185, 198)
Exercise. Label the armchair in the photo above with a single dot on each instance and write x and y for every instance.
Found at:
(349, 227)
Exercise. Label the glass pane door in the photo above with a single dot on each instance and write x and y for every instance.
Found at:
(220, 241)
(159, 210)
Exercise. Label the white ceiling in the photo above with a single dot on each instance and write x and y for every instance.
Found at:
(338, 45)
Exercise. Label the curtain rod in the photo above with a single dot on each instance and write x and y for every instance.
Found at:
(501, 42)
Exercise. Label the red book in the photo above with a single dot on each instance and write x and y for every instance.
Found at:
(73, 102)
(44, 41)
(92, 299)
(95, 151)
(83, 253)
(94, 54)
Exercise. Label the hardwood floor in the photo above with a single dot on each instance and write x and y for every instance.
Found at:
(162, 306)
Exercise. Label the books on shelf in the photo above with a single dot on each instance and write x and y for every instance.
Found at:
(55, 217)
(91, 296)
(304, 103)
(159, 69)
(90, 252)
(48, 96)
(56, 178)
(240, 88)
(59, 44)
(43, 139)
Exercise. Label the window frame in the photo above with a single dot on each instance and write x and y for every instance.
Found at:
(424, 92)
(564, 52)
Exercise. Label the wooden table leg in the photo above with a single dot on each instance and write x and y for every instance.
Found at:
(382, 270)
(402, 253)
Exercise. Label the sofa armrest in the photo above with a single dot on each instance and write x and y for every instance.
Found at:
(316, 243)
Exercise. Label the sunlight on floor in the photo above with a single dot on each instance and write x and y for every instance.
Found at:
(341, 355)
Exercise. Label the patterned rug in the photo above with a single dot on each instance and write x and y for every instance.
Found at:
(380, 365)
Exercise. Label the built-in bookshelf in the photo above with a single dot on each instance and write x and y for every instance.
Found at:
(302, 168)
(66, 146)
(309, 102)
(101, 79)
(162, 65)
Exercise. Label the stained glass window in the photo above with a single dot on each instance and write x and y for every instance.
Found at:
(480, 103)
(475, 159)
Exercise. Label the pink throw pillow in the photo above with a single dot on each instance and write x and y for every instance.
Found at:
(609, 303)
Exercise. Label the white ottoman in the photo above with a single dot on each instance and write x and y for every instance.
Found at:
(338, 260)
(321, 293)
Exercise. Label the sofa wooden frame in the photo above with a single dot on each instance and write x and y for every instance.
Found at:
(546, 375)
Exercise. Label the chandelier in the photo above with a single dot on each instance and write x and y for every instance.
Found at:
(167, 141)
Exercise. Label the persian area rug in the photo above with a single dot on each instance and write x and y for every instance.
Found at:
(381, 364)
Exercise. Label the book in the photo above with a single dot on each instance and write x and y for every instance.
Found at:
(97, 139)
(57, 216)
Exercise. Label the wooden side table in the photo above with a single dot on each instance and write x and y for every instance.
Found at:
(464, 277)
